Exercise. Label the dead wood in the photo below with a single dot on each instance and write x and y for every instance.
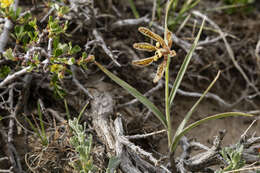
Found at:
(111, 134)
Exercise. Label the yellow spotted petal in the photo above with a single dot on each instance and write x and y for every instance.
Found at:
(145, 47)
(144, 62)
(152, 35)
(169, 38)
(160, 71)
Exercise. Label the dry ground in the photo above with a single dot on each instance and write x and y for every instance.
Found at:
(232, 91)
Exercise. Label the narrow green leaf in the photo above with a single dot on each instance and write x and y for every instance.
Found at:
(195, 124)
(184, 66)
(67, 109)
(133, 8)
(135, 93)
(43, 134)
(43, 139)
(82, 111)
(171, 3)
(188, 115)
(40, 117)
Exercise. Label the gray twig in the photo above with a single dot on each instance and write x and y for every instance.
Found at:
(129, 22)
(98, 37)
(75, 80)
(257, 50)
(229, 49)
(56, 115)
(138, 136)
(45, 17)
(14, 76)
(7, 28)
(123, 140)
(10, 151)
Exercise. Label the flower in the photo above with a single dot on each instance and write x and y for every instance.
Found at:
(6, 3)
(162, 49)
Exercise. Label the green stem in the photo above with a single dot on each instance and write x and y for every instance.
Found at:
(167, 103)
(169, 4)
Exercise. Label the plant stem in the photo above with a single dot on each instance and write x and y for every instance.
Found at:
(169, 4)
(167, 104)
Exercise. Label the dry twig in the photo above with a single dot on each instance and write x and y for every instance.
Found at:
(99, 38)
(229, 49)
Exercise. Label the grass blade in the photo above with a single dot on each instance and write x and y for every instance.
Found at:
(67, 109)
(184, 66)
(82, 111)
(195, 124)
(188, 115)
(133, 8)
(43, 134)
(135, 93)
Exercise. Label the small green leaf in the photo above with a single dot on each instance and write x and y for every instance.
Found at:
(64, 47)
(8, 54)
(31, 35)
(18, 29)
(25, 18)
(57, 52)
(63, 10)
(28, 27)
(33, 23)
(55, 43)
(4, 71)
(71, 61)
(84, 55)
(233, 156)
(75, 49)
(56, 68)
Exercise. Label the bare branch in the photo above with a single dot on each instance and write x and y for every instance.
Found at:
(104, 46)
(75, 80)
(13, 76)
(145, 135)
(7, 28)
